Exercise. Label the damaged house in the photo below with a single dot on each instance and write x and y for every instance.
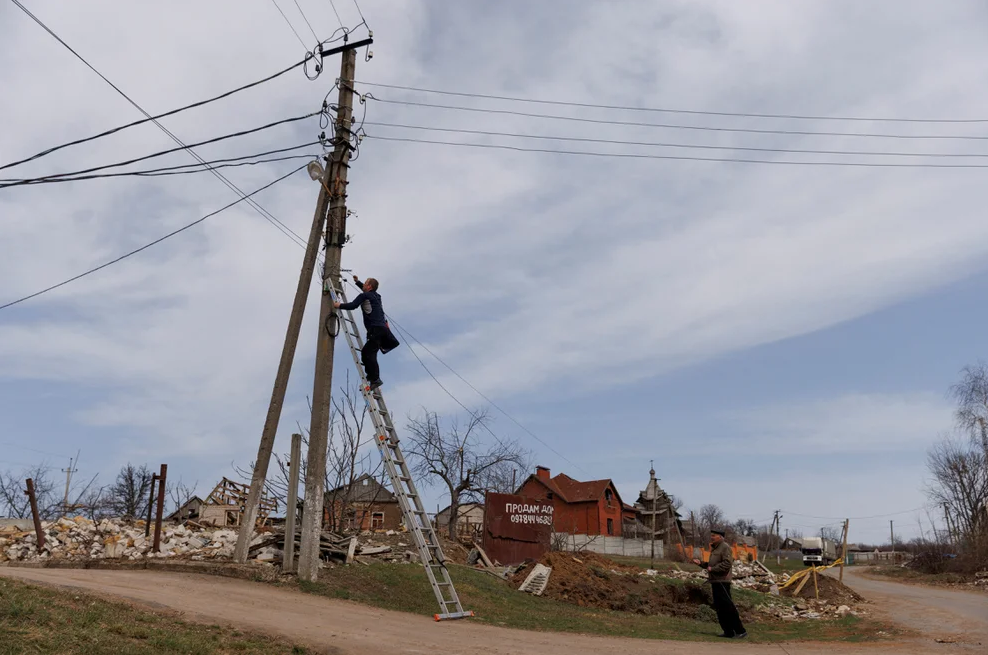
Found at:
(364, 505)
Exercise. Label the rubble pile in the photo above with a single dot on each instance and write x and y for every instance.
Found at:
(744, 574)
(82, 539)
(79, 538)
(810, 609)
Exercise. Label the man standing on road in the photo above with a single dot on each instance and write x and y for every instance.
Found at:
(719, 573)
(379, 335)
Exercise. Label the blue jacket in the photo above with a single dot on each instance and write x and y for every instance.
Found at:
(371, 308)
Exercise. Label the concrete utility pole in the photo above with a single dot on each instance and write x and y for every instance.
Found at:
(778, 544)
(68, 482)
(892, 539)
(315, 476)
(843, 552)
(270, 430)
(654, 489)
(288, 560)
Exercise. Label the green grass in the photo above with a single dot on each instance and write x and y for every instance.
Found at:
(403, 587)
(43, 620)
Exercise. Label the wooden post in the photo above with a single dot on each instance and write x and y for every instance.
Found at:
(288, 559)
(816, 589)
(34, 512)
(161, 508)
(147, 526)
(843, 552)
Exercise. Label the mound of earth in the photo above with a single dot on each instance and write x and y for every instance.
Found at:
(590, 580)
(831, 590)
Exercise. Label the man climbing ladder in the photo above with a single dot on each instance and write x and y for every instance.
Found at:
(379, 336)
(416, 519)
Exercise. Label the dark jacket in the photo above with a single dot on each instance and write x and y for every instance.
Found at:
(720, 563)
(371, 308)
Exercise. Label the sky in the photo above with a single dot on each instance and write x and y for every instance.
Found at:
(773, 336)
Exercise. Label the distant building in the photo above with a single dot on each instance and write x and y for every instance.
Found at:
(364, 505)
(188, 511)
(469, 521)
(654, 502)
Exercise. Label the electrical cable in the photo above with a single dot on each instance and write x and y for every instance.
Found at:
(477, 391)
(677, 111)
(857, 518)
(162, 152)
(166, 172)
(176, 170)
(362, 19)
(333, 5)
(290, 26)
(870, 153)
(284, 229)
(625, 155)
(674, 126)
(148, 245)
(306, 19)
(164, 115)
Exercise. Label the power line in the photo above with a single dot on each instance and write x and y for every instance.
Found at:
(290, 26)
(233, 187)
(163, 152)
(164, 115)
(362, 19)
(870, 153)
(626, 155)
(148, 245)
(167, 168)
(676, 111)
(857, 518)
(333, 5)
(493, 404)
(306, 19)
(171, 170)
(674, 126)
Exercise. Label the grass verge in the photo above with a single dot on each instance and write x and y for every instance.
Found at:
(403, 587)
(902, 574)
(35, 619)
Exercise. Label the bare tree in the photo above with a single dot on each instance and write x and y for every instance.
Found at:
(709, 517)
(971, 395)
(675, 501)
(346, 459)
(745, 527)
(128, 496)
(831, 533)
(960, 483)
(457, 459)
(14, 501)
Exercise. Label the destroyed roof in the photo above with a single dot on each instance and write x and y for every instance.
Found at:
(365, 489)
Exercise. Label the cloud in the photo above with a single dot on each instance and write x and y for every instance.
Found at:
(526, 272)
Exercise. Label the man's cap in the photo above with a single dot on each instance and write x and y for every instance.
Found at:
(719, 531)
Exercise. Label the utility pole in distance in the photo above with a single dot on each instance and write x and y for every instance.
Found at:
(68, 482)
(315, 477)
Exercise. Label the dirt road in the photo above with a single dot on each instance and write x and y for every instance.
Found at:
(933, 611)
(345, 628)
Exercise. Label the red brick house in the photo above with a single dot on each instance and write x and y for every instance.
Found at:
(592, 508)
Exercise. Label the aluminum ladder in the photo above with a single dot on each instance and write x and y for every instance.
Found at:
(386, 438)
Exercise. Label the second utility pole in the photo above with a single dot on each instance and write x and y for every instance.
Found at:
(315, 472)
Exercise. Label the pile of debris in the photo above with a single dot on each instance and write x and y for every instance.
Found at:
(810, 609)
(747, 575)
(82, 539)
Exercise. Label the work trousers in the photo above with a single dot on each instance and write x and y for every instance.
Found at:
(727, 613)
(368, 354)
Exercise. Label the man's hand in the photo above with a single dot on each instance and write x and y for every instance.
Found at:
(696, 561)
(356, 279)
(336, 305)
